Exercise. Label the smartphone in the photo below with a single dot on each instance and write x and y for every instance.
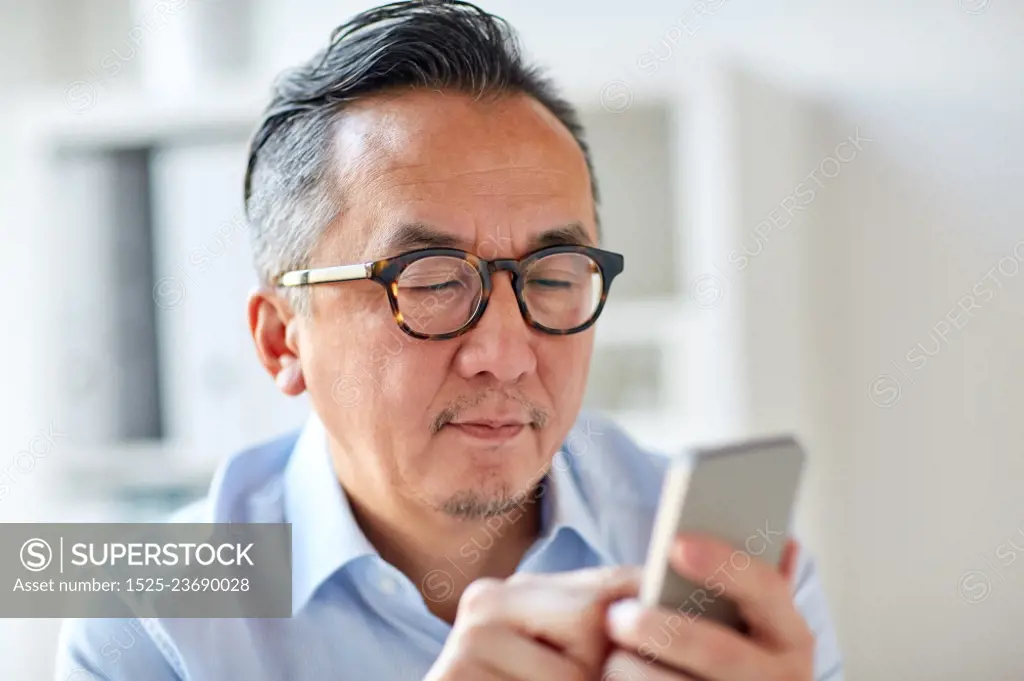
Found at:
(742, 493)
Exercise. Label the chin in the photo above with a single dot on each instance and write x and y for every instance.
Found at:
(479, 502)
(515, 474)
(488, 479)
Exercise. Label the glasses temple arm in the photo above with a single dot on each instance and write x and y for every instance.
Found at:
(325, 275)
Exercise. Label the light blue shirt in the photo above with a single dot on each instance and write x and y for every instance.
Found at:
(357, 617)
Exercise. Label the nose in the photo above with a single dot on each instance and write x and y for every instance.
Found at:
(501, 343)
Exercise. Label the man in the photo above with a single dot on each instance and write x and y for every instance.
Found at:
(424, 224)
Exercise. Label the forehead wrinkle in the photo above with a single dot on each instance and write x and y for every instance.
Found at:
(433, 174)
(496, 183)
(524, 180)
(526, 171)
(513, 194)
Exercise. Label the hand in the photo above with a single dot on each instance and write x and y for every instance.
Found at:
(533, 627)
(660, 644)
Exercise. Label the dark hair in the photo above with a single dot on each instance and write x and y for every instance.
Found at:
(429, 44)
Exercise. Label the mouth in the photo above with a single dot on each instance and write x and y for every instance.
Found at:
(492, 431)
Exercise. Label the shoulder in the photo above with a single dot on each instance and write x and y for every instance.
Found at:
(115, 650)
(810, 601)
(246, 488)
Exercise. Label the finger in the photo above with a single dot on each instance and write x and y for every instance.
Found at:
(609, 581)
(556, 608)
(788, 563)
(623, 665)
(699, 646)
(511, 655)
(759, 591)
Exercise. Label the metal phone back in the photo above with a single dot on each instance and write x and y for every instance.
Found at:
(742, 493)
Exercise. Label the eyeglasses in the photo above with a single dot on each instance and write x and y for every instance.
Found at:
(441, 293)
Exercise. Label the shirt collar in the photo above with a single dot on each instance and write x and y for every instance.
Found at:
(565, 506)
(326, 537)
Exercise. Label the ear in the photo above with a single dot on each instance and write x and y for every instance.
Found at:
(275, 327)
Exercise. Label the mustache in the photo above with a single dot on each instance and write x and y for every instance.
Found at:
(538, 416)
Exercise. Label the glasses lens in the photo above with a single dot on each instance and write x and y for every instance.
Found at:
(439, 294)
(563, 290)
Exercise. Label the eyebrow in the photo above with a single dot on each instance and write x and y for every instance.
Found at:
(416, 235)
(572, 234)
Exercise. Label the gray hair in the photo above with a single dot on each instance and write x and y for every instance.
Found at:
(450, 44)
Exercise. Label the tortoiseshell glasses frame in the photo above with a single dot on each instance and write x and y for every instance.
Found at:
(388, 272)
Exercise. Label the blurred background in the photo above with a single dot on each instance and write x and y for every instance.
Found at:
(821, 209)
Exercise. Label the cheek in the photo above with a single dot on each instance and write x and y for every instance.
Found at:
(351, 352)
(563, 366)
(411, 374)
(379, 381)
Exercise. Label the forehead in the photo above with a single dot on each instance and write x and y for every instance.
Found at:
(474, 169)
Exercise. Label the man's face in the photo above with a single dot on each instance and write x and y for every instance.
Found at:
(462, 425)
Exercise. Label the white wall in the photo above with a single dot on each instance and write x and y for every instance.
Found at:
(915, 476)
(930, 485)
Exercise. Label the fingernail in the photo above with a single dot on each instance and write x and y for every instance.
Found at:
(623, 615)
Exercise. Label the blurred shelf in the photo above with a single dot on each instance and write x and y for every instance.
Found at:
(135, 468)
(94, 117)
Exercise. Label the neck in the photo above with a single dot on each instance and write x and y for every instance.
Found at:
(441, 554)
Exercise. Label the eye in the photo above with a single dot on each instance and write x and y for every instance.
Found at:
(436, 275)
(549, 283)
(431, 288)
